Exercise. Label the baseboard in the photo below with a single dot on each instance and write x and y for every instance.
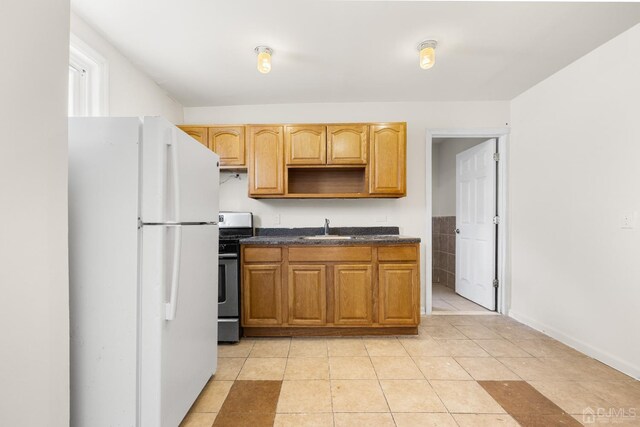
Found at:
(598, 354)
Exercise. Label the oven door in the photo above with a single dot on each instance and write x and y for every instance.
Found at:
(228, 304)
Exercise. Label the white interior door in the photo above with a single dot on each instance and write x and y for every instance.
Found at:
(178, 348)
(180, 176)
(476, 232)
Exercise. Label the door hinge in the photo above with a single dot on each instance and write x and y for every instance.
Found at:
(496, 157)
(496, 283)
(496, 220)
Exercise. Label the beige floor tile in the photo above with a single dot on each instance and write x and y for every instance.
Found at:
(424, 420)
(502, 348)
(546, 348)
(198, 419)
(304, 396)
(308, 347)
(271, 347)
(424, 347)
(579, 368)
(477, 332)
(307, 368)
(351, 368)
(466, 397)
(485, 420)
(464, 348)
(617, 393)
(570, 396)
(435, 320)
(486, 369)
(358, 396)
(411, 396)
(384, 347)
(517, 331)
(531, 368)
(339, 347)
(441, 368)
(263, 368)
(228, 368)
(212, 396)
(609, 419)
(396, 368)
(363, 419)
(444, 332)
(304, 420)
(239, 349)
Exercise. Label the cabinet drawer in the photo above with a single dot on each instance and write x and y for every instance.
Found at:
(398, 253)
(262, 254)
(329, 253)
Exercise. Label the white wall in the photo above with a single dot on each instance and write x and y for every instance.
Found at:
(408, 213)
(444, 172)
(131, 92)
(575, 155)
(34, 319)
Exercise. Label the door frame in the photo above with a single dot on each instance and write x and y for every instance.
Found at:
(502, 136)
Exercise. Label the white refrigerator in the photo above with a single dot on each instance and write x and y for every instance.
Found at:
(143, 253)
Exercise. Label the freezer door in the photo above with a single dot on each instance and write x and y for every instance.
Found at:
(179, 176)
(178, 328)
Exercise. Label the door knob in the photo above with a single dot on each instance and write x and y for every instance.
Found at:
(457, 230)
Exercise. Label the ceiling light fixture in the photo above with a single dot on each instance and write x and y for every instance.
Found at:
(264, 58)
(427, 51)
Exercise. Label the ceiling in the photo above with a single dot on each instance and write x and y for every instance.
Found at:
(201, 51)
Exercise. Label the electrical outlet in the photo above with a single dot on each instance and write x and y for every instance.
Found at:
(628, 219)
(276, 219)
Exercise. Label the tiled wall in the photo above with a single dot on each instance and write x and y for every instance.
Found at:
(444, 251)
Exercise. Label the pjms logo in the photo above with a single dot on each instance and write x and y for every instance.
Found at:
(588, 416)
(608, 415)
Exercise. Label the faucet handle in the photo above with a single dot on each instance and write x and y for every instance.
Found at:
(326, 221)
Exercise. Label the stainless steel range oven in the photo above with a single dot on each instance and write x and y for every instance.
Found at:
(233, 227)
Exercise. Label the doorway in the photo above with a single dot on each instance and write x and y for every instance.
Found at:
(466, 261)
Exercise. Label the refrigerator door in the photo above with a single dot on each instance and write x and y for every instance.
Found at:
(179, 310)
(180, 177)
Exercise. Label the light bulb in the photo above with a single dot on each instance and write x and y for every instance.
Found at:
(264, 59)
(427, 54)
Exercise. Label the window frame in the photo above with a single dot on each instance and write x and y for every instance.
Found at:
(94, 89)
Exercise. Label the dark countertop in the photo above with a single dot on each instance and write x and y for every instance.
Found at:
(378, 239)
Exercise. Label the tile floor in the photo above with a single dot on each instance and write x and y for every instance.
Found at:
(445, 299)
(459, 371)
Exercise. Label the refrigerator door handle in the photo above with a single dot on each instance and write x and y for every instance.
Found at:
(173, 147)
(172, 305)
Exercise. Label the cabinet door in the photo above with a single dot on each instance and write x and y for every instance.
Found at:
(388, 159)
(347, 145)
(261, 295)
(228, 143)
(307, 295)
(399, 293)
(196, 132)
(305, 145)
(353, 294)
(266, 160)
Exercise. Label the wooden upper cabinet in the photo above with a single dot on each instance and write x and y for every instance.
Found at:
(352, 294)
(387, 164)
(307, 295)
(228, 143)
(266, 160)
(198, 133)
(398, 294)
(261, 295)
(305, 145)
(347, 144)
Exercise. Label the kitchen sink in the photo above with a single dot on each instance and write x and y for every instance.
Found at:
(328, 237)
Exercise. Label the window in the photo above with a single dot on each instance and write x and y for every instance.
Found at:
(88, 77)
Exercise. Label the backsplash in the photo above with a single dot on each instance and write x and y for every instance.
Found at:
(444, 251)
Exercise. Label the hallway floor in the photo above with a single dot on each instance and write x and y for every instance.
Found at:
(459, 371)
(445, 299)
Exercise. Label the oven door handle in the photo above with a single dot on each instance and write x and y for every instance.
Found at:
(228, 256)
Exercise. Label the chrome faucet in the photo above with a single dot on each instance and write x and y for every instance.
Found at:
(326, 227)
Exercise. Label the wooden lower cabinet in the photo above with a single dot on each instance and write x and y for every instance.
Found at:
(398, 300)
(330, 290)
(307, 295)
(262, 295)
(353, 297)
